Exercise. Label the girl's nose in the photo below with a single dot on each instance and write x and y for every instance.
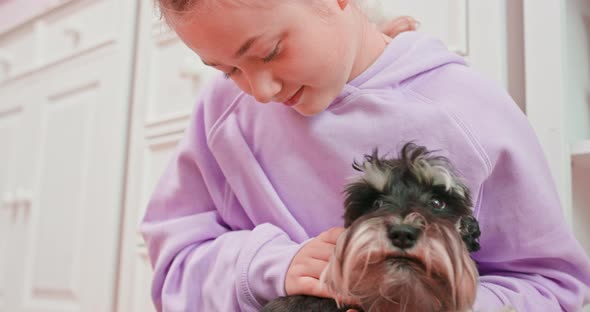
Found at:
(264, 87)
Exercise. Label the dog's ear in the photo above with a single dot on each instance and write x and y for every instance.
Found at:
(363, 196)
(469, 229)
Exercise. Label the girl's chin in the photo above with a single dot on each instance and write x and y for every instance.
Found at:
(307, 110)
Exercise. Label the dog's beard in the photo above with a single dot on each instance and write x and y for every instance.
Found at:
(437, 274)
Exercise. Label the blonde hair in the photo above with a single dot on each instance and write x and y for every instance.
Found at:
(174, 10)
(179, 11)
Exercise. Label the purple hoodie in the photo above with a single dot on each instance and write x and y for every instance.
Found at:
(249, 184)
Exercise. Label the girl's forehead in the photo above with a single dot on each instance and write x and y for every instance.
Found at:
(187, 11)
(218, 34)
(233, 22)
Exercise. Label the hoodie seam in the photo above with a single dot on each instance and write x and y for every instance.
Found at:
(217, 124)
(359, 92)
(473, 142)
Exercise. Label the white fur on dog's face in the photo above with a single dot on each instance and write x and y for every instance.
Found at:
(374, 176)
(418, 193)
(365, 258)
(439, 174)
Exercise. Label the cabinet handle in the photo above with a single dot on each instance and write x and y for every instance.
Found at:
(74, 33)
(6, 61)
(8, 200)
(23, 198)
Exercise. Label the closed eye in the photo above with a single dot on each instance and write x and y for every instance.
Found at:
(228, 74)
(272, 54)
(266, 59)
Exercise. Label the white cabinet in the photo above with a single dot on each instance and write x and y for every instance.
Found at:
(63, 130)
(577, 113)
(168, 77)
(12, 133)
(73, 182)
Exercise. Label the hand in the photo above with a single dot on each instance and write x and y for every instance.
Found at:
(303, 275)
(398, 25)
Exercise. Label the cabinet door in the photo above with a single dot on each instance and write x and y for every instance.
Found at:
(12, 115)
(74, 177)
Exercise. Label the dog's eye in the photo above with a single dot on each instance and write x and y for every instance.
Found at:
(377, 204)
(437, 204)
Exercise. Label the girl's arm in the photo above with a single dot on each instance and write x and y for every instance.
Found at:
(202, 263)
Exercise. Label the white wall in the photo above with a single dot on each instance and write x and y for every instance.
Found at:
(577, 64)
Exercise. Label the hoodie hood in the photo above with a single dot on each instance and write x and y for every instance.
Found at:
(408, 55)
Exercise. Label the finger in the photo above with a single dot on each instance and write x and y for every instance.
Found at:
(394, 30)
(398, 25)
(331, 235)
(350, 301)
(320, 251)
(308, 267)
(313, 268)
(312, 287)
(405, 22)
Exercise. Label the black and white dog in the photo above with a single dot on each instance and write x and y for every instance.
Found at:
(409, 234)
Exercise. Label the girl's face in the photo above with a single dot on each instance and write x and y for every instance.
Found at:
(291, 52)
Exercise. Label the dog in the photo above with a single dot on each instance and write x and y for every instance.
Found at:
(409, 234)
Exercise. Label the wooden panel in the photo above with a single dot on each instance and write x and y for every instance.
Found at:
(17, 51)
(59, 216)
(76, 175)
(74, 27)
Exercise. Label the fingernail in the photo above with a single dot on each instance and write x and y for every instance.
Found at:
(417, 25)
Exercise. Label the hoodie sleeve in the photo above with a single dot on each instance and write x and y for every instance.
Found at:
(200, 262)
(529, 258)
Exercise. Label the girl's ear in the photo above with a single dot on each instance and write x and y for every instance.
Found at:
(343, 3)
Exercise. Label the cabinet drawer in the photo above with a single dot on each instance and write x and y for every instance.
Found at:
(17, 51)
(78, 25)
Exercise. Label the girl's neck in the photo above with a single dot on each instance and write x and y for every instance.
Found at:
(372, 43)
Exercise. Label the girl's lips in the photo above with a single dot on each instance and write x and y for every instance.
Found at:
(295, 98)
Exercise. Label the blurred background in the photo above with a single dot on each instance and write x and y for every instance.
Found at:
(95, 94)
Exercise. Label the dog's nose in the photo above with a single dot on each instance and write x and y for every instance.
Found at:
(403, 236)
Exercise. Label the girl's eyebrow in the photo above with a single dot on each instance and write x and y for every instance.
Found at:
(246, 46)
(241, 51)
(209, 64)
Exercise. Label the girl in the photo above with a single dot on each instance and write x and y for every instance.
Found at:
(249, 208)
